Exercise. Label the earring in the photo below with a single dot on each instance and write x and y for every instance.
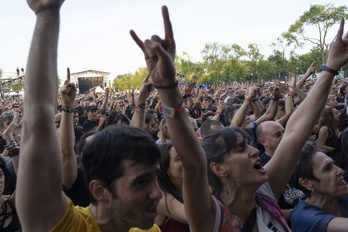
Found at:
(227, 192)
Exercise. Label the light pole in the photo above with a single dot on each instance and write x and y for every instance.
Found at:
(297, 71)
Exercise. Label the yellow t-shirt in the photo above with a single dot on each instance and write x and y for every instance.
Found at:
(79, 219)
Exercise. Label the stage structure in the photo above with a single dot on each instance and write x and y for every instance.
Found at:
(88, 80)
(8, 86)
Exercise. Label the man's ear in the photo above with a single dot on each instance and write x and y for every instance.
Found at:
(262, 141)
(98, 191)
(306, 183)
(218, 169)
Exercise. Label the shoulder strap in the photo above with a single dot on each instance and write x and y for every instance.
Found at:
(250, 222)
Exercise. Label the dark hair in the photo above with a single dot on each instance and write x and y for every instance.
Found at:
(110, 120)
(206, 126)
(206, 116)
(281, 102)
(163, 178)
(80, 145)
(148, 118)
(343, 119)
(327, 119)
(4, 170)
(103, 155)
(123, 118)
(304, 168)
(152, 111)
(343, 88)
(216, 145)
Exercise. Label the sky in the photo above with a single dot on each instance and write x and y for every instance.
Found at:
(94, 34)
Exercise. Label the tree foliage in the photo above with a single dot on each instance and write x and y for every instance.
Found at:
(231, 62)
(322, 17)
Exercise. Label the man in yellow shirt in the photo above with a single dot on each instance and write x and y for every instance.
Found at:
(120, 163)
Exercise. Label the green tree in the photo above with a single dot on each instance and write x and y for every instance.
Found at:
(215, 56)
(314, 55)
(18, 86)
(323, 17)
(138, 78)
(255, 62)
(277, 64)
(234, 69)
(122, 82)
(278, 61)
(185, 66)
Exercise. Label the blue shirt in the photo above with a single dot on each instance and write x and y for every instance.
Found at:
(309, 218)
(252, 134)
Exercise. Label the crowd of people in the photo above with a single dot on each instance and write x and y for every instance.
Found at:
(173, 156)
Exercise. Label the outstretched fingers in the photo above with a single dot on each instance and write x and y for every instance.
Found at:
(340, 31)
(137, 40)
(68, 74)
(169, 35)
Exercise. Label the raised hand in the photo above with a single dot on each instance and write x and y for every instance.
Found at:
(221, 107)
(292, 82)
(41, 5)
(338, 51)
(252, 92)
(68, 91)
(282, 88)
(145, 90)
(311, 70)
(159, 53)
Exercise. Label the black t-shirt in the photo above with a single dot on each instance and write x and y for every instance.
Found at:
(291, 196)
(78, 193)
(82, 119)
(2, 145)
(79, 131)
(89, 125)
(12, 177)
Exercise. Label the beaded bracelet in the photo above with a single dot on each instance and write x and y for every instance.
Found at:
(67, 109)
(141, 106)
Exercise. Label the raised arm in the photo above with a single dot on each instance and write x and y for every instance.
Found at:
(170, 207)
(40, 201)
(302, 121)
(239, 117)
(302, 95)
(67, 135)
(220, 110)
(159, 56)
(106, 99)
(289, 105)
(12, 145)
(310, 71)
(138, 119)
(272, 108)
